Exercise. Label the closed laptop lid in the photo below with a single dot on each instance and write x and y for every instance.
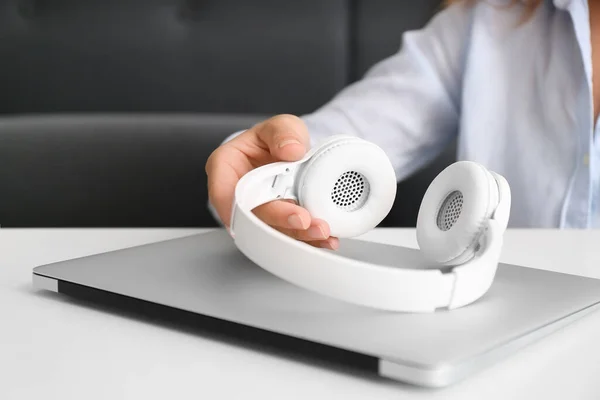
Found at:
(206, 275)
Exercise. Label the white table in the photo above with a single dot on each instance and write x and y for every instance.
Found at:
(55, 348)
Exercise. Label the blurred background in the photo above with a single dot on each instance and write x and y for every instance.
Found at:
(110, 108)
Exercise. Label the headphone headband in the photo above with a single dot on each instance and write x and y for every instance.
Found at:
(405, 289)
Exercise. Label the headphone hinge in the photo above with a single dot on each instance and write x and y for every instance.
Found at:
(283, 184)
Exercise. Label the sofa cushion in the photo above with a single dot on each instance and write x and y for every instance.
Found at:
(379, 27)
(109, 170)
(231, 56)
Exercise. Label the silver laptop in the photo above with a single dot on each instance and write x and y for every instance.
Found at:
(204, 283)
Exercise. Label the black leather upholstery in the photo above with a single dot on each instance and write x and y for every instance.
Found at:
(103, 170)
(210, 56)
(380, 25)
(109, 108)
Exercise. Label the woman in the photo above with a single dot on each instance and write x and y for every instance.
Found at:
(518, 83)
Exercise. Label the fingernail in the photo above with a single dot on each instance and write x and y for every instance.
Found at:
(288, 142)
(332, 244)
(316, 232)
(295, 221)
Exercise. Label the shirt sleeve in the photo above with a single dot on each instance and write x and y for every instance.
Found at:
(409, 103)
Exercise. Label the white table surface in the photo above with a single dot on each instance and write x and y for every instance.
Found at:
(55, 348)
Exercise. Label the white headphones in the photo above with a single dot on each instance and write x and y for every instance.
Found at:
(350, 183)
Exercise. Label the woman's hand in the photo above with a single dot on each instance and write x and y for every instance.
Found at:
(280, 138)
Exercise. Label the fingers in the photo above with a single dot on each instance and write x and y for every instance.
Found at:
(280, 138)
(317, 231)
(286, 137)
(295, 221)
(284, 214)
(317, 234)
(332, 243)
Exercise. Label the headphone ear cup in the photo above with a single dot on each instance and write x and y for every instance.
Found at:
(349, 183)
(453, 212)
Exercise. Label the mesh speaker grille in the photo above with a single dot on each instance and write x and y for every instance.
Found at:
(350, 191)
(450, 211)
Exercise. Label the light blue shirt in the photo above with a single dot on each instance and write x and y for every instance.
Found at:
(518, 98)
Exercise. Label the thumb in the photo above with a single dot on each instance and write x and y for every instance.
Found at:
(286, 137)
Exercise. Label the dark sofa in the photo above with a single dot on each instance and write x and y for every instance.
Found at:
(109, 108)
